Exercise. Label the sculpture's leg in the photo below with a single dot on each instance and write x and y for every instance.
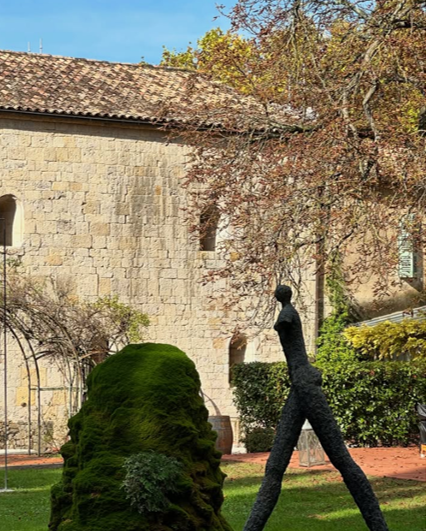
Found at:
(288, 432)
(322, 420)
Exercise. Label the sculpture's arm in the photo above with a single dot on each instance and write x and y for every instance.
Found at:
(284, 320)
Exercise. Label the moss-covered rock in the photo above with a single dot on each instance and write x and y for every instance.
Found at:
(145, 398)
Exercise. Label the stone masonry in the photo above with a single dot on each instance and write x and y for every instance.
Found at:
(103, 207)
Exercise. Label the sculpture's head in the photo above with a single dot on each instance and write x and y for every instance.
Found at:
(283, 294)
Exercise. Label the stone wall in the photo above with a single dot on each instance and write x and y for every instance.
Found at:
(20, 437)
(28, 395)
(102, 207)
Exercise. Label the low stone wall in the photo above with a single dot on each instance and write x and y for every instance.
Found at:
(17, 436)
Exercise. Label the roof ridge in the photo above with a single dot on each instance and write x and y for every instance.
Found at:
(103, 61)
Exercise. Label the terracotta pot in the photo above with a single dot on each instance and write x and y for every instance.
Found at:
(222, 425)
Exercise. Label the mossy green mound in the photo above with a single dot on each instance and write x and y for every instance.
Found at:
(145, 398)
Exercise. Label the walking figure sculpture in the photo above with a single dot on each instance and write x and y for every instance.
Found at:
(307, 401)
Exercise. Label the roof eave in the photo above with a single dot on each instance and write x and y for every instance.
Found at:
(86, 117)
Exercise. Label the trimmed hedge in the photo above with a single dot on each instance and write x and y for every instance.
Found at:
(373, 402)
(259, 440)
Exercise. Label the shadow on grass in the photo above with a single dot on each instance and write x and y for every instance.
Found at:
(310, 500)
(319, 500)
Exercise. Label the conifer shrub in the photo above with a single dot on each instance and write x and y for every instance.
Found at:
(145, 399)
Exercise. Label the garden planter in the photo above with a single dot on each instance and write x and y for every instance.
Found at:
(222, 425)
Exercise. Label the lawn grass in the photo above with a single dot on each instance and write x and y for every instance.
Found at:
(28, 507)
(319, 501)
(310, 500)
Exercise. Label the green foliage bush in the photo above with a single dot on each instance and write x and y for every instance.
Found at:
(131, 322)
(389, 340)
(259, 440)
(333, 346)
(150, 477)
(260, 390)
(143, 400)
(373, 402)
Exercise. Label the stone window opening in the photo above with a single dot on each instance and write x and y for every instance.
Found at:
(237, 352)
(209, 221)
(10, 221)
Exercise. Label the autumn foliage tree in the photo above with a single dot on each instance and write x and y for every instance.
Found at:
(235, 52)
(324, 152)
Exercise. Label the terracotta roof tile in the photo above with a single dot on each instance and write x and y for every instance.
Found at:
(81, 87)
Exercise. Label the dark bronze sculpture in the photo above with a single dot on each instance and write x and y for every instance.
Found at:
(307, 401)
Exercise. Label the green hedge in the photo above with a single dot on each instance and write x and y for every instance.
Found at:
(259, 440)
(373, 402)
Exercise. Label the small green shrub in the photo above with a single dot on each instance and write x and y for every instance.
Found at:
(150, 477)
(131, 321)
(259, 440)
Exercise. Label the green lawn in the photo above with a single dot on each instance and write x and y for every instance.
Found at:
(28, 508)
(310, 500)
(319, 501)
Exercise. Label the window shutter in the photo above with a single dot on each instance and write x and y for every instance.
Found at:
(407, 267)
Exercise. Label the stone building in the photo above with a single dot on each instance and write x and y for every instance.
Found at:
(90, 190)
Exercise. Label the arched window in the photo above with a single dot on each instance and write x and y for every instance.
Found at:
(237, 352)
(209, 220)
(10, 221)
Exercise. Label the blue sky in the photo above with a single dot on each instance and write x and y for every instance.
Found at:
(119, 30)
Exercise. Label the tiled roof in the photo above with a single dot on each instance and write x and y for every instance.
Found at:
(80, 87)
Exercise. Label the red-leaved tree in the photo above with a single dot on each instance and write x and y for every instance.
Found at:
(323, 153)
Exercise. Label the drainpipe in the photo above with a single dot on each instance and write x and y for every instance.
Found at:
(319, 294)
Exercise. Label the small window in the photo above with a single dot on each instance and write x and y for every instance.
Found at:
(237, 352)
(209, 220)
(10, 221)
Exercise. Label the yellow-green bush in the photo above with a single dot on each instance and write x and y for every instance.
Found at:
(389, 340)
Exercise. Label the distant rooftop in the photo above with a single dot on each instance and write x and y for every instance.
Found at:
(396, 317)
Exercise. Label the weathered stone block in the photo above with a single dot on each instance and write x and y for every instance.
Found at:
(104, 287)
(82, 240)
(54, 260)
